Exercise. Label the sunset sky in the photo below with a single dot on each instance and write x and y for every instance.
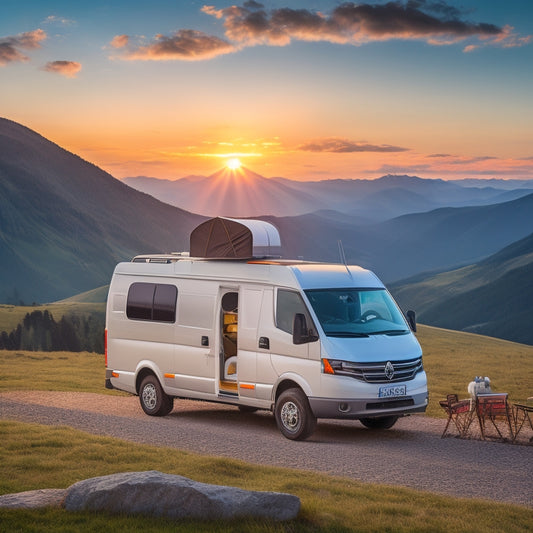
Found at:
(301, 89)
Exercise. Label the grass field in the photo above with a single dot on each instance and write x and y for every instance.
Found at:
(34, 456)
(12, 315)
(452, 359)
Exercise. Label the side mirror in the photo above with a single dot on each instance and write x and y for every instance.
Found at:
(301, 334)
(411, 319)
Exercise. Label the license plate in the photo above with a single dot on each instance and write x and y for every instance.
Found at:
(393, 391)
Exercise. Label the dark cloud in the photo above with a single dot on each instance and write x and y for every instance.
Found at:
(189, 45)
(340, 146)
(10, 47)
(471, 160)
(251, 4)
(435, 22)
(437, 6)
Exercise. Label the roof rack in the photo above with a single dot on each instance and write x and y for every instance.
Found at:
(160, 258)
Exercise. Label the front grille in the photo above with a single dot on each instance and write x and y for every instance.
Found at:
(376, 372)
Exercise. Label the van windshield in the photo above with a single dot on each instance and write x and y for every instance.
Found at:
(357, 312)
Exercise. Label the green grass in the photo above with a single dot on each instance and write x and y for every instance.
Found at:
(53, 371)
(98, 295)
(452, 359)
(35, 456)
(12, 315)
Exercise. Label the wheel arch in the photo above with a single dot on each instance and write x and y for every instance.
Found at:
(290, 381)
(146, 368)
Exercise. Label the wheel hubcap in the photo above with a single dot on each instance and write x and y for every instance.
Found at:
(290, 416)
(149, 396)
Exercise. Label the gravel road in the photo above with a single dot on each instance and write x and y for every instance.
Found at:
(411, 454)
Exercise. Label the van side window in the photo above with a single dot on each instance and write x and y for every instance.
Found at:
(152, 301)
(287, 305)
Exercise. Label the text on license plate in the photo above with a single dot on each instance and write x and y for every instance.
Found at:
(392, 392)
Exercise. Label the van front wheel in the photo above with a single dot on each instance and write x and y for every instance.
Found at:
(293, 415)
(154, 401)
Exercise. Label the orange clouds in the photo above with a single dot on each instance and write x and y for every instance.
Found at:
(120, 41)
(187, 45)
(69, 69)
(10, 52)
(349, 23)
(10, 46)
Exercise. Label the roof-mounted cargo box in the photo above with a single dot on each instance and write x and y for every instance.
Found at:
(235, 239)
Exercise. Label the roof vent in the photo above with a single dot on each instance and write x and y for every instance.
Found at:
(230, 238)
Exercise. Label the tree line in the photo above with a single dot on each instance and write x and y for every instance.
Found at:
(38, 331)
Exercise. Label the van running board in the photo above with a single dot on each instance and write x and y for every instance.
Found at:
(227, 394)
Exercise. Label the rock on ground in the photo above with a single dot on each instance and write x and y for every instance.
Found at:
(157, 494)
(33, 499)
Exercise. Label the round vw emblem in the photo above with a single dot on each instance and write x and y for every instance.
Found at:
(389, 370)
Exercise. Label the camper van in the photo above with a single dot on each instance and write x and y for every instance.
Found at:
(231, 322)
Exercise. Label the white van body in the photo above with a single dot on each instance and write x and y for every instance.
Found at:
(225, 331)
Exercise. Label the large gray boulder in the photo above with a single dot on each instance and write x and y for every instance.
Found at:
(156, 494)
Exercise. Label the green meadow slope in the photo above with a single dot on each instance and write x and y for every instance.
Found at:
(65, 223)
(493, 297)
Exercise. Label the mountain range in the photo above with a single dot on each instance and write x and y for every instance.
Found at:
(492, 297)
(244, 193)
(65, 223)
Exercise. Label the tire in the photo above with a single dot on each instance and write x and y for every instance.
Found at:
(385, 422)
(294, 417)
(154, 401)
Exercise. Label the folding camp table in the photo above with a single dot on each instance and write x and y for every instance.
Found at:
(492, 408)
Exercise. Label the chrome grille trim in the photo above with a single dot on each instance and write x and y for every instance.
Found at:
(375, 372)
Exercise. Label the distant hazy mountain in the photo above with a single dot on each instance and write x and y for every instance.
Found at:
(493, 297)
(233, 193)
(245, 193)
(435, 241)
(65, 223)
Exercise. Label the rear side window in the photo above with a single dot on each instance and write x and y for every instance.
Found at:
(152, 301)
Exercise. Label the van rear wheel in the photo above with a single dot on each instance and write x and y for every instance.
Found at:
(293, 415)
(385, 422)
(154, 401)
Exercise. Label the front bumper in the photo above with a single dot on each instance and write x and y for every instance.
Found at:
(367, 408)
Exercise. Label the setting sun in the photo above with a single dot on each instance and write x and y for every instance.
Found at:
(233, 164)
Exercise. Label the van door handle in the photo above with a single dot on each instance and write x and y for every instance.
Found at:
(264, 343)
(205, 340)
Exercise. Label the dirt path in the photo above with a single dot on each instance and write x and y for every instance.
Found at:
(412, 454)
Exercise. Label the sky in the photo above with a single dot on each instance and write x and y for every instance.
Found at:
(305, 90)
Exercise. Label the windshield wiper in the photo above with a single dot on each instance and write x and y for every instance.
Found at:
(345, 334)
(390, 332)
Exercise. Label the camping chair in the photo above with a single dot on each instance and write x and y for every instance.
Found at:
(521, 414)
(459, 412)
(492, 408)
